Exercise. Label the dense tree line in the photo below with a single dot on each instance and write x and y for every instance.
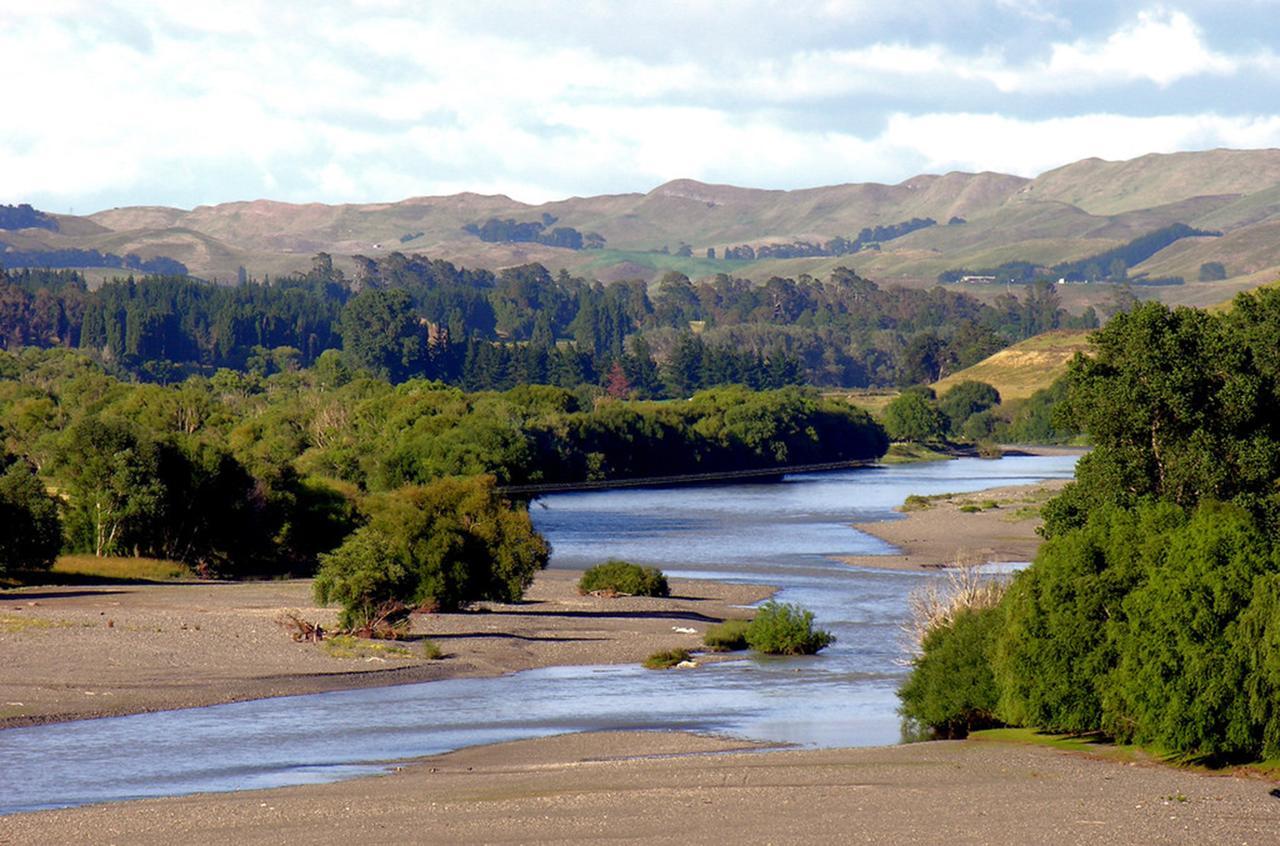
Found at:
(1152, 613)
(23, 216)
(407, 317)
(870, 236)
(240, 474)
(68, 257)
(1113, 264)
(508, 231)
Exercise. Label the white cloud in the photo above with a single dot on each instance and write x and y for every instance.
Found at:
(1028, 147)
(1161, 47)
(176, 104)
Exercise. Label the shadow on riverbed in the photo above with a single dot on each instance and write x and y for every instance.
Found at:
(507, 636)
(621, 615)
(57, 594)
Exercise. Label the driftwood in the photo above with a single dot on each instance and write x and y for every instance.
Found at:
(300, 629)
(389, 621)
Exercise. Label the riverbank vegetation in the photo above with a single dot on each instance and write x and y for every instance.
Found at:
(394, 493)
(782, 628)
(622, 578)
(1150, 614)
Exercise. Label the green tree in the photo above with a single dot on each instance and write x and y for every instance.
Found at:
(112, 483)
(32, 534)
(381, 333)
(1176, 408)
(364, 576)
(442, 545)
(966, 399)
(1212, 271)
(1055, 648)
(912, 417)
(1178, 683)
(1255, 644)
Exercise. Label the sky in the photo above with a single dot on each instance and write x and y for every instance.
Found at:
(184, 104)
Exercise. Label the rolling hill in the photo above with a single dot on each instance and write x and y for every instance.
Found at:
(1019, 371)
(983, 220)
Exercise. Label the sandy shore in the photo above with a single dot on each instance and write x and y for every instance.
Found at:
(653, 788)
(998, 524)
(75, 652)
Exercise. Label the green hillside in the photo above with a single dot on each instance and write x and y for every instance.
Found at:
(982, 220)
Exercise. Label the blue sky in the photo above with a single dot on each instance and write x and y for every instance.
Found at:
(183, 104)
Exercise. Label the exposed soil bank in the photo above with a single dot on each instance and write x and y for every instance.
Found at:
(74, 652)
(612, 787)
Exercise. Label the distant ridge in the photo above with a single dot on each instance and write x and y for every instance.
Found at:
(1069, 213)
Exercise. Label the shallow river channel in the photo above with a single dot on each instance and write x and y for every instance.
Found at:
(782, 534)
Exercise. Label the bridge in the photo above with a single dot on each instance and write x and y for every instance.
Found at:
(681, 479)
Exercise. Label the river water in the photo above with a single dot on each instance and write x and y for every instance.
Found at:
(782, 534)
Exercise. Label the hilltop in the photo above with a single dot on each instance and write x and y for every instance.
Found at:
(917, 229)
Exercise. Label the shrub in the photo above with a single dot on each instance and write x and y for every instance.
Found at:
(362, 576)
(989, 449)
(441, 546)
(951, 690)
(1177, 683)
(785, 629)
(666, 659)
(1055, 648)
(622, 578)
(729, 636)
(916, 502)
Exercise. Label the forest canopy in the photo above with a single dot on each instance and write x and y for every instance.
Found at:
(413, 317)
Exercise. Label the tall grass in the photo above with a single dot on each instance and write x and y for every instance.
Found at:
(71, 567)
(936, 604)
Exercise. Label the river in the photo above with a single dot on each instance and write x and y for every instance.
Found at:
(783, 533)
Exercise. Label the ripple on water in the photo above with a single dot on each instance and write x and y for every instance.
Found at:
(780, 534)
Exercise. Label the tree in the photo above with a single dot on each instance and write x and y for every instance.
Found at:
(912, 417)
(966, 399)
(616, 384)
(32, 534)
(1177, 682)
(442, 545)
(381, 333)
(951, 690)
(1177, 408)
(112, 483)
(364, 576)
(1055, 649)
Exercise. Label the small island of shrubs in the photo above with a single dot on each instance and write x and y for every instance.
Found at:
(616, 577)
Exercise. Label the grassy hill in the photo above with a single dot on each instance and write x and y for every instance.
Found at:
(1024, 368)
(1070, 213)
